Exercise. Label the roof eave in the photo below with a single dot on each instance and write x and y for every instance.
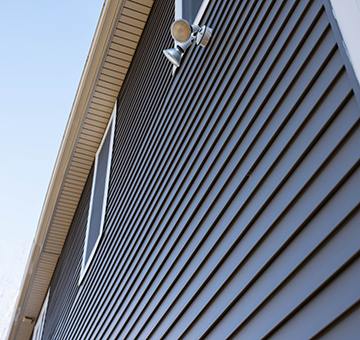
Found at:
(111, 18)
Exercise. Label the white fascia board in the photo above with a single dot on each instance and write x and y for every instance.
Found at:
(347, 15)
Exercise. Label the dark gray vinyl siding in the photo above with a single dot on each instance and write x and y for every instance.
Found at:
(64, 286)
(233, 206)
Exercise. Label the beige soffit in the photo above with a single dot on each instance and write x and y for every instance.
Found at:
(117, 34)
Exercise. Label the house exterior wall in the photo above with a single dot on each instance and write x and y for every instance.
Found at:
(64, 288)
(233, 205)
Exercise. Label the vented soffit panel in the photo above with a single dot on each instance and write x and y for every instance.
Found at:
(117, 35)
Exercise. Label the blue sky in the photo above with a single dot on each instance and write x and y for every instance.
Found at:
(43, 48)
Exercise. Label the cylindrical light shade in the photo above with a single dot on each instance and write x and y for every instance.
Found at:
(173, 55)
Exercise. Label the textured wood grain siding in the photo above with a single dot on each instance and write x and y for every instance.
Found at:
(233, 206)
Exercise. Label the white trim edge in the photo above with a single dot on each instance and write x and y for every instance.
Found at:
(85, 266)
(347, 15)
(201, 12)
(199, 15)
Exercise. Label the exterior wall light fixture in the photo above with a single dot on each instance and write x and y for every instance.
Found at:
(184, 36)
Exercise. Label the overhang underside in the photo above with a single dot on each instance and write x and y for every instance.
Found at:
(116, 38)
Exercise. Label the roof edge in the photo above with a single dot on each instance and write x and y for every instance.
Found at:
(104, 29)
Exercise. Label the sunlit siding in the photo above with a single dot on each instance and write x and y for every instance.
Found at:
(233, 206)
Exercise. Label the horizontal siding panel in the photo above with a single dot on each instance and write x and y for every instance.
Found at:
(129, 28)
(333, 299)
(134, 14)
(67, 275)
(104, 96)
(122, 34)
(110, 80)
(124, 41)
(116, 69)
(100, 98)
(118, 62)
(102, 101)
(344, 327)
(119, 55)
(147, 3)
(231, 191)
(113, 74)
(124, 49)
(132, 20)
(138, 7)
(105, 88)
